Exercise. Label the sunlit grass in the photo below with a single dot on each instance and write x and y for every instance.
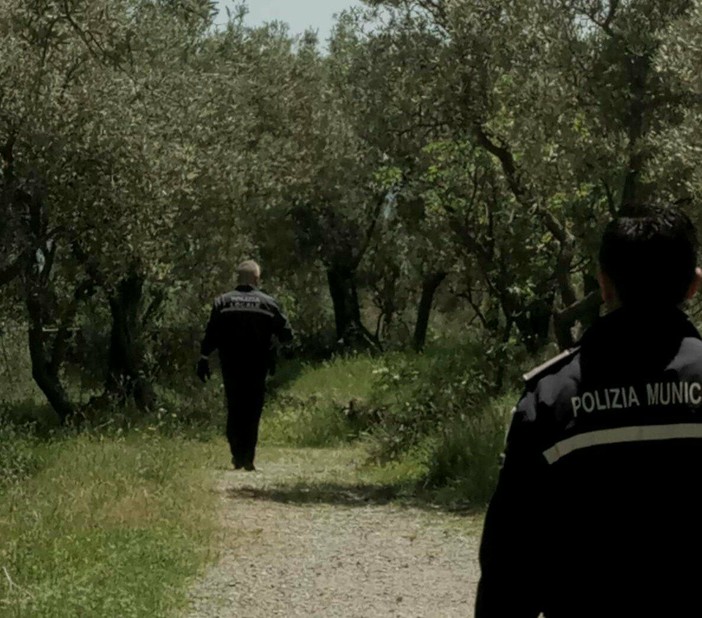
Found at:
(339, 380)
(118, 521)
(108, 527)
(312, 409)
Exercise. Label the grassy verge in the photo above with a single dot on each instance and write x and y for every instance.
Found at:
(116, 522)
(426, 423)
(105, 526)
(315, 409)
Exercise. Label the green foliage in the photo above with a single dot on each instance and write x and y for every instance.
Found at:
(320, 406)
(416, 398)
(434, 421)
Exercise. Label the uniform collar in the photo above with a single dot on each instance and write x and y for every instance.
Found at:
(246, 288)
(664, 318)
(629, 344)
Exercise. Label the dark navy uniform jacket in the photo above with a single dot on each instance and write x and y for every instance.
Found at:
(242, 326)
(598, 509)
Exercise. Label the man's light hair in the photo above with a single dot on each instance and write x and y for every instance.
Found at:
(248, 273)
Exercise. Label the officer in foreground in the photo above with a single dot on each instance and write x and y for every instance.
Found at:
(598, 509)
(242, 326)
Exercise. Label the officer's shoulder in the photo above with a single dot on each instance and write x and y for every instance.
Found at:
(550, 367)
(692, 343)
(223, 298)
(267, 297)
(689, 355)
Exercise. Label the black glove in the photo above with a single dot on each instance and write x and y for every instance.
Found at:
(203, 370)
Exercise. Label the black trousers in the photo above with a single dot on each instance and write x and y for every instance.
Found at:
(245, 395)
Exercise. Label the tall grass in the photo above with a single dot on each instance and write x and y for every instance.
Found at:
(104, 526)
(463, 462)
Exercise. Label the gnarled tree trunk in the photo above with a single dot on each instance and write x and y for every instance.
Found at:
(350, 331)
(45, 369)
(430, 285)
(126, 370)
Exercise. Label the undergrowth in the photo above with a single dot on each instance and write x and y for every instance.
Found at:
(113, 517)
(318, 406)
(101, 525)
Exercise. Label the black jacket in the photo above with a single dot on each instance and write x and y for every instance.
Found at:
(598, 510)
(242, 326)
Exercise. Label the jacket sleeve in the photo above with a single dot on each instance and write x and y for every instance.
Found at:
(513, 544)
(281, 326)
(211, 341)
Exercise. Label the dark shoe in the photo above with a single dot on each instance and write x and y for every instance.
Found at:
(250, 468)
(237, 465)
(203, 370)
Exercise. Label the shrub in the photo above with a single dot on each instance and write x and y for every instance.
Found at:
(465, 458)
(449, 407)
(319, 405)
(418, 396)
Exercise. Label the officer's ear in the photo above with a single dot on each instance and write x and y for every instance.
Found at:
(607, 289)
(695, 285)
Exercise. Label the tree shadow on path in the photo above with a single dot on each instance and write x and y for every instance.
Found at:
(359, 495)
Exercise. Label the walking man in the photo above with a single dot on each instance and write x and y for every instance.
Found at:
(597, 512)
(243, 326)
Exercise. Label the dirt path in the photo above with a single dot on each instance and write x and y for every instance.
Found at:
(305, 537)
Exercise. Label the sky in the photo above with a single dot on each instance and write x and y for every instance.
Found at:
(298, 14)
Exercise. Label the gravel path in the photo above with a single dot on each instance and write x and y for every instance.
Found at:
(305, 538)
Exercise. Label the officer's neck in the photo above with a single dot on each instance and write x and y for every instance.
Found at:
(647, 309)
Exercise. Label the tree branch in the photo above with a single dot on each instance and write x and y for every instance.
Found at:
(370, 231)
(610, 198)
(504, 155)
(604, 24)
(468, 296)
(566, 318)
(60, 345)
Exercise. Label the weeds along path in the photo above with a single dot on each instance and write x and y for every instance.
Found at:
(306, 537)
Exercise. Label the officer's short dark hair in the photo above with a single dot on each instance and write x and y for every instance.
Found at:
(650, 254)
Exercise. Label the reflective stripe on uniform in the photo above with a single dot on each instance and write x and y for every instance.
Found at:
(258, 310)
(622, 435)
